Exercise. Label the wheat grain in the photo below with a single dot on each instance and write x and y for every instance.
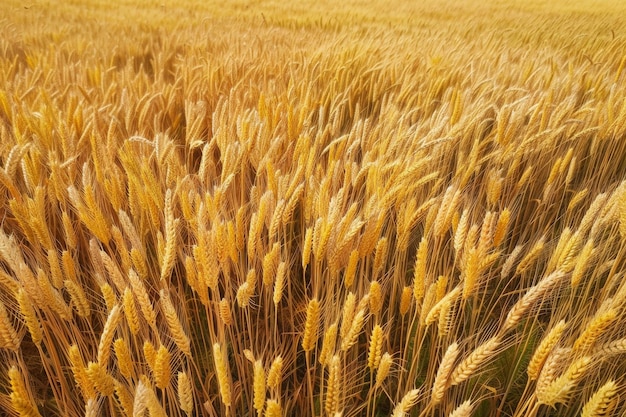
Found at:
(121, 247)
(281, 277)
(270, 264)
(100, 379)
(559, 390)
(475, 360)
(113, 271)
(419, 271)
(173, 322)
(161, 368)
(146, 399)
(79, 299)
(384, 367)
(445, 301)
(20, 398)
(333, 392)
(543, 350)
(145, 304)
(328, 344)
(582, 262)
(274, 375)
(139, 263)
(406, 403)
(501, 227)
(80, 372)
(447, 207)
(594, 330)
(440, 383)
(460, 233)
(53, 299)
(600, 402)
(508, 265)
(405, 300)
(55, 269)
(9, 338)
(244, 293)
(91, 408)
(494, 187)
(380, 255)
(463, 410)
(108, 332)
(375, 298)
(485, 242)
(30, 316)
(471, 271)
(530, 298)
(566, 259)
(590, 216)
(124, 399)
(149, 352)
(130, 311)
(530, 257)
(124, 359)
(223, 375)
(273, 409)
(353, 332)
(170, 236)
(614, 347)
(185, 393)
(225, 314)
(309, 336)
(375, 348)
(259, 387)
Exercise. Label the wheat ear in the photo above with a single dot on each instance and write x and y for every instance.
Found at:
(600, 402)
(259, 387)
(223, 376)
(309, 337)
(331, 405)
(20, 398)
(106, 338)
(463, 410)
(443, 373)
(171, 317)
(476, 359)
(185, 393)
(543, 350)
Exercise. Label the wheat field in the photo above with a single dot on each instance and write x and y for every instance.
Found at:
(313, 208)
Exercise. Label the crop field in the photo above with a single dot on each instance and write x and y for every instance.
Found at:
(312, 208)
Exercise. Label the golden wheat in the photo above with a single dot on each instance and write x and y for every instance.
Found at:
(391, 230)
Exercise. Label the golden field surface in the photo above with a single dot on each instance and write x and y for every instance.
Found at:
(313, 208)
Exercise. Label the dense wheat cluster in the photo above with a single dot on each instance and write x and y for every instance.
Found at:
(317, 209)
